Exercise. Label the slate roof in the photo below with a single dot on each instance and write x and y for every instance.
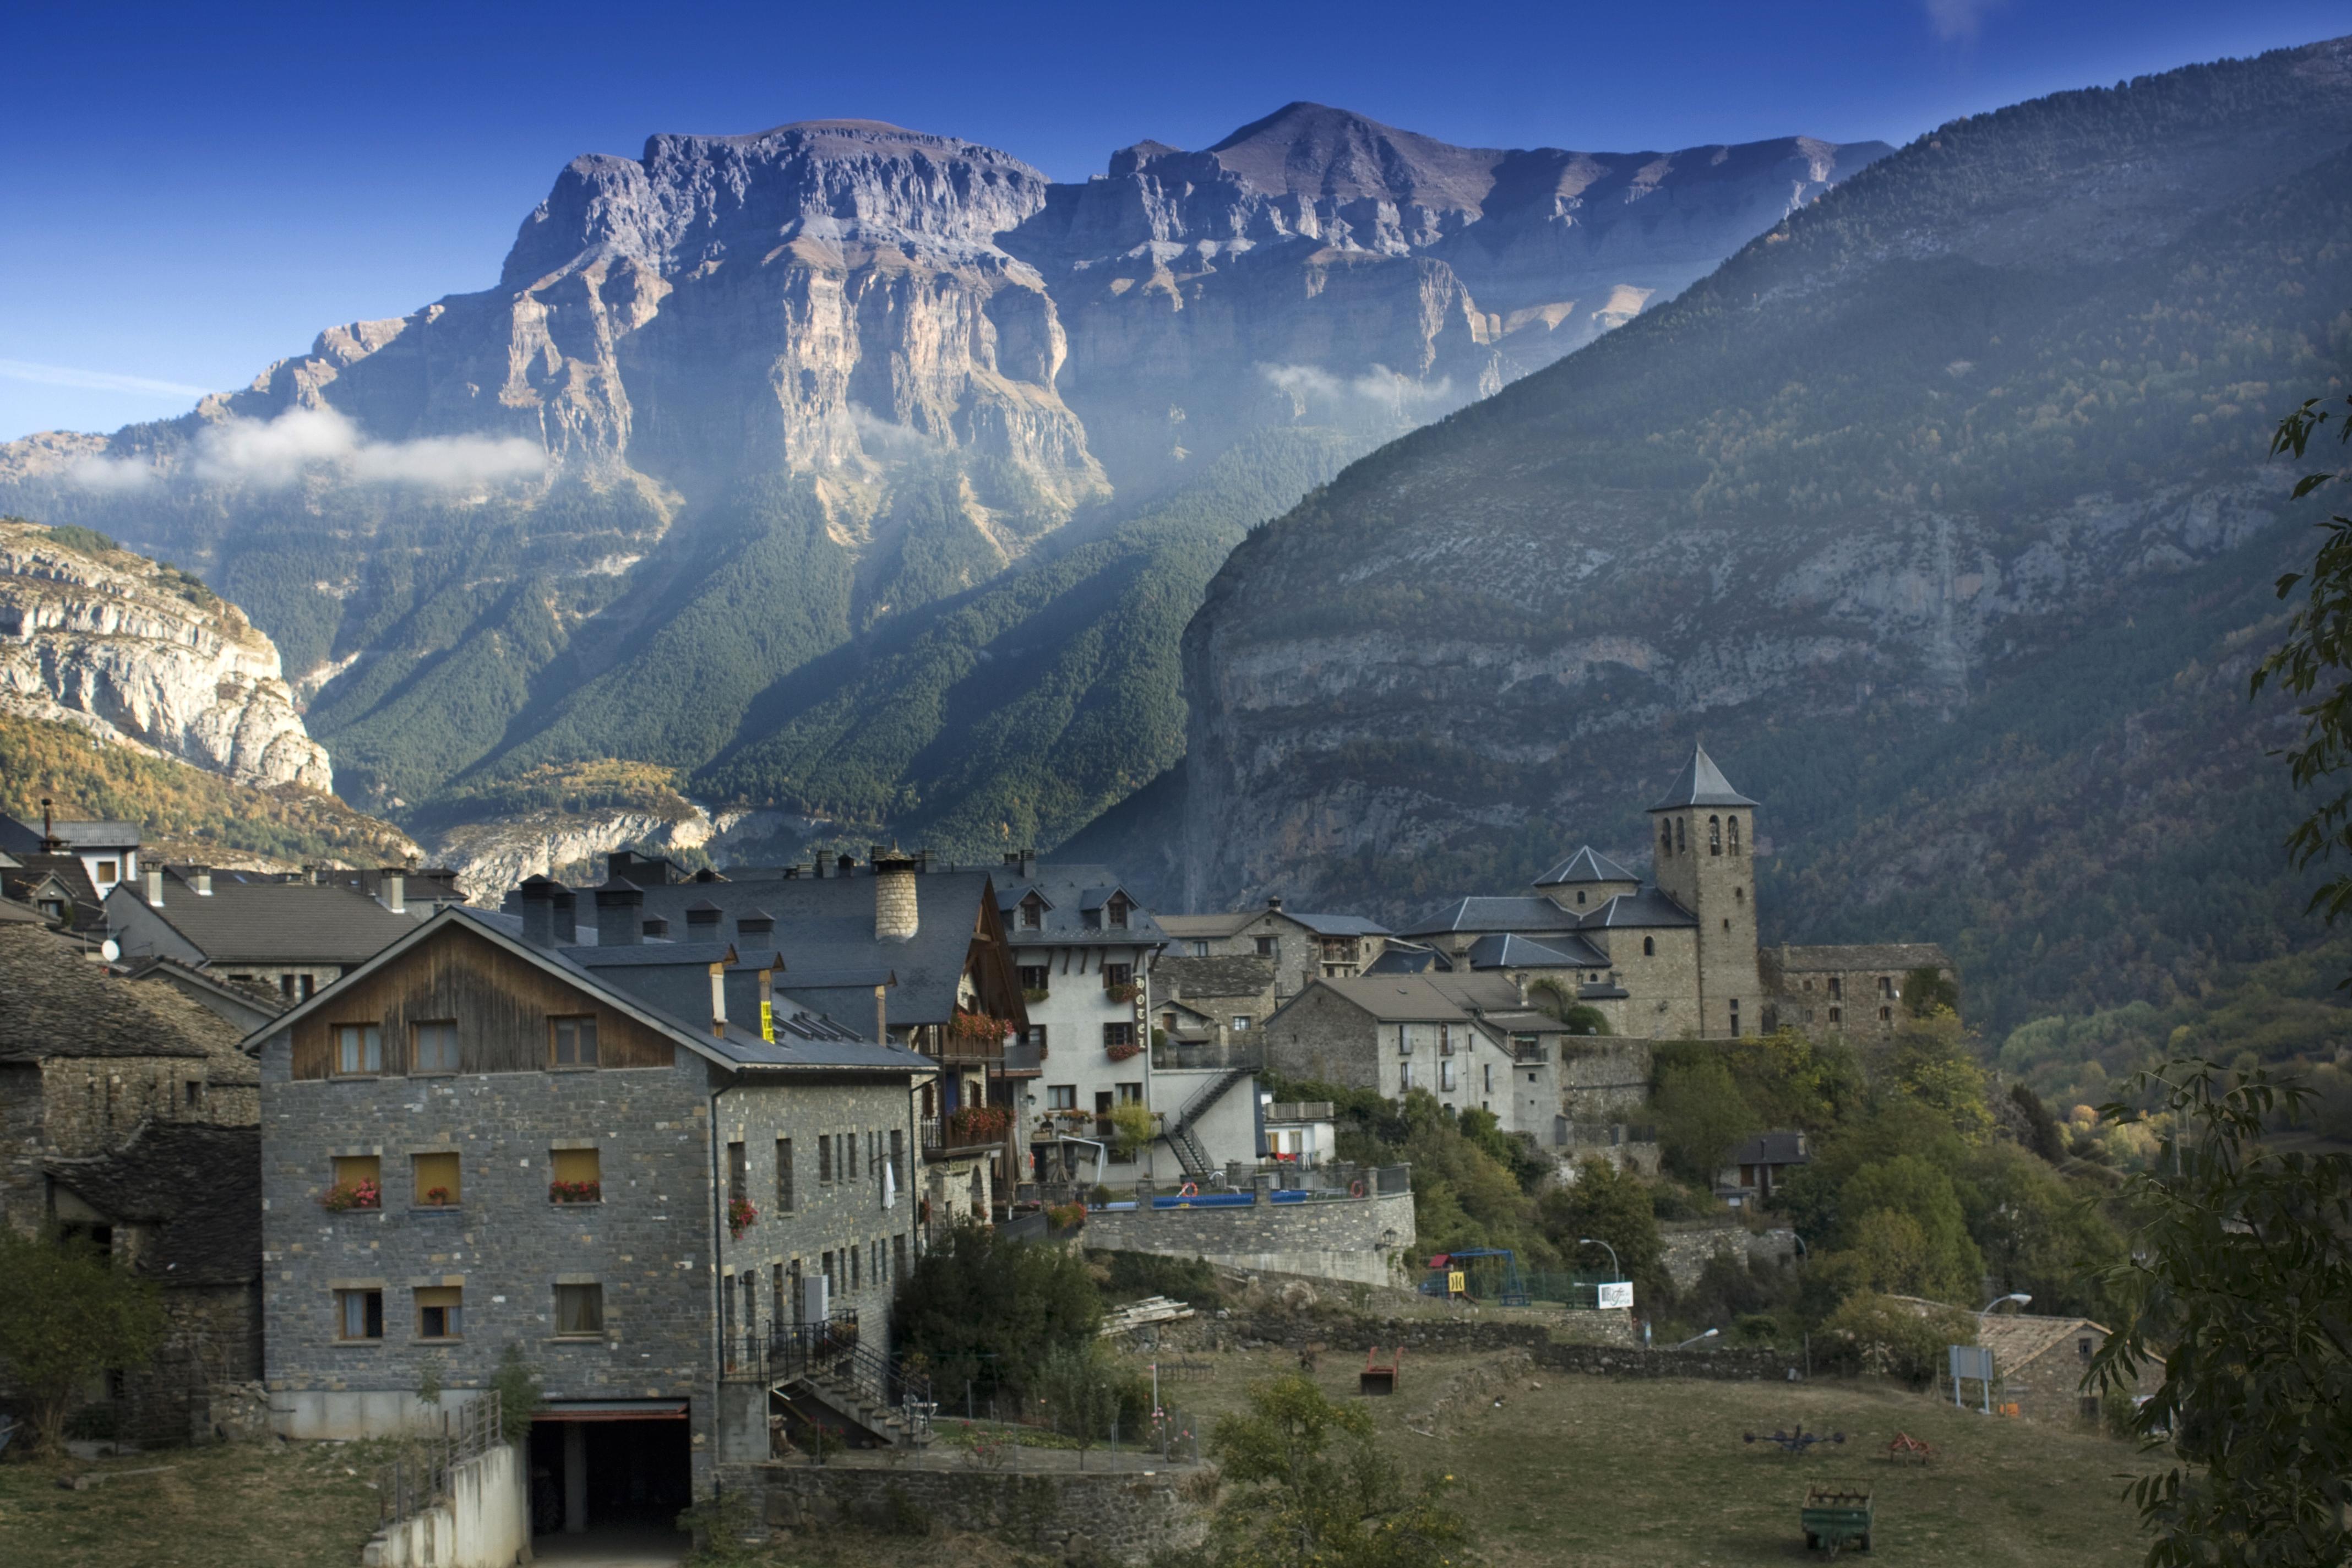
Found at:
(247, 921)
(66, 869)
(1646, 908)
(171, 972)
(59, 1003)
(1072, 893)
(1515, 912)
(11, 910)
(825, 928)
(1407, 958)
(1229, 976)
(805, 1039)
(1885, 955)
(200, 1185)
(1504, 951)
(97, 835)
(1337, 925)
(16, 838)
(1701, 782)
(1587, 865)
(1206, 927)
(1408, 998)
(1771, 1149)
(2016, 1339)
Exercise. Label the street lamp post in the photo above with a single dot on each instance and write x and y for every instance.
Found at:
(2019, 1297)
(1595, 1241)
(1695, 1339)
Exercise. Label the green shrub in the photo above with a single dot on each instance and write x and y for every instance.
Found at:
(1879, 1334)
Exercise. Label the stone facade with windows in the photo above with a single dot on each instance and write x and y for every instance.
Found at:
(618, 1175)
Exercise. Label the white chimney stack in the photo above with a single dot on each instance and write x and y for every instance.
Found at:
(204, 881)
(154, 889)
(395, 889)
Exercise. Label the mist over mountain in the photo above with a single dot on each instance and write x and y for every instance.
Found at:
(1942, 512)
(866, 473)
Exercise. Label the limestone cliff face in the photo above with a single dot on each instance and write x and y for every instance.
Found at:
(136, 651)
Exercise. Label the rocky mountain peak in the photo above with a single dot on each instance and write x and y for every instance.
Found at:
(1316, 153)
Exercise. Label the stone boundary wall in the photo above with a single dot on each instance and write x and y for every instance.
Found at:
(1688, 1243)
(1118, 1516)
(1373, 1224)
(1727, 1365)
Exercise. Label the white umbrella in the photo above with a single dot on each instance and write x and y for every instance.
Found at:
(889, 1184)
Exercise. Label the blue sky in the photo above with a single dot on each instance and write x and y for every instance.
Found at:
(188, 194)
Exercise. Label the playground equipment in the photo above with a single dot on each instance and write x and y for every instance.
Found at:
(1379, 1376)
(1836, 1515)
(1795, 1442)
(1477, 1274)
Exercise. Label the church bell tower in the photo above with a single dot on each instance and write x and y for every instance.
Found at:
(1704, 835)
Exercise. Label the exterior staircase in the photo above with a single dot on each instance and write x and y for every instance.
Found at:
(906, 1425)
(858, 1384)
(1180, 1133)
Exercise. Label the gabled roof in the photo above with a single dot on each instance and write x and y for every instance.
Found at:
(1337, 925)
(242, 922)
(1587, 865)
(825, 929)
(1647, 908)
(1404, 998)
(11, 911)
(1240, 976)
(59, 1003)
(1517, 912)
(654, 953)
(1071, 894)
(199, 1185)
(1398, 957)
(191, 980)
(1781, 1148)
(16, 838)
(67, 871)
(1205, 928)
(1505, 951)
(740, 1045)
(1701, 782)
(94, 836)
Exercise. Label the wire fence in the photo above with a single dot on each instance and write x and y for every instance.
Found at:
(420, 1477)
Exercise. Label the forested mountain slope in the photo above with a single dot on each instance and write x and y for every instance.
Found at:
(855, 470)
(1941, 511)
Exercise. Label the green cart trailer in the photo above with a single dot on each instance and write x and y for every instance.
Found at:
(1836, 1515)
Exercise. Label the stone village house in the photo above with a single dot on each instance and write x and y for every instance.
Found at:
(129, 1117)
(635, 1162)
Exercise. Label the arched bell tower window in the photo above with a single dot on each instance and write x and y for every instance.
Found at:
(1682, 838)
(1649, 947)
(1580, 895)
(1735, 835)
(1715, 836)
(1665, 837)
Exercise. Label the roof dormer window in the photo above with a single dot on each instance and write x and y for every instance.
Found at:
(1118, 907)
(1033, 913)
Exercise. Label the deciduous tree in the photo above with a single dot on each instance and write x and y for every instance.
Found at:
(68, 1314)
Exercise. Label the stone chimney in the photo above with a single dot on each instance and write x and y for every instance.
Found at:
(204, 881)
(898, 913)
(154, 887)
(395, 888)
(538, 896)
(1021, 862)
(567, 917)
(755, 922)
(702, 918)
(1274, 904)
(618, 922)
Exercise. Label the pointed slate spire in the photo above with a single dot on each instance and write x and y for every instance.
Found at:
(1701, 783)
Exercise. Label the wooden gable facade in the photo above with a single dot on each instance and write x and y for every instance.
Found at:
(504, 1006)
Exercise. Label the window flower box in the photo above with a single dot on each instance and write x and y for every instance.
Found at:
(357, 1196)
(575, 1192)
(974, 1124)
(1121, 1053)
(741, 1216)
(1125, 993)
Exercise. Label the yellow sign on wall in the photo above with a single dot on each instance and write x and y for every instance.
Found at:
(767, 1021)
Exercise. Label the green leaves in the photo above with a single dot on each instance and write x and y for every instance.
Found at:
(2241, 1290)
(66, 1314)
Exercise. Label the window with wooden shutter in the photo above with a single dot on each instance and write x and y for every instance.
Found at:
(437, 1180)
(440, 1312)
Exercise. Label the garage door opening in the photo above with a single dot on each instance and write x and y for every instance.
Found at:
(608, 1475)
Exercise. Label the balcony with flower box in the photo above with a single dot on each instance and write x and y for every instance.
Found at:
(970, 1130)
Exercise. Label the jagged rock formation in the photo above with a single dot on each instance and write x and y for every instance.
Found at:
(741, 400)
(1941, 511)
(142, 653)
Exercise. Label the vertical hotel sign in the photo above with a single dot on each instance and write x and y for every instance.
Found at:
(768, 1020)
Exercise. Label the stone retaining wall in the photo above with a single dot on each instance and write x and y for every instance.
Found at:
(1332, 1238)
(1728, 1364)
(1069, 1515)
(1689, 1244)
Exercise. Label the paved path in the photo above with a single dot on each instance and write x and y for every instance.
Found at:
(615, 1546)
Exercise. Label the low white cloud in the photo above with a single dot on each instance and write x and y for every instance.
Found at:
(1959, 21)
(271, 453)
(886, 437)
(1379, 390)
(97, 380)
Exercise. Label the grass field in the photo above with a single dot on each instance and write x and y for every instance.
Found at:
(1564, 1469)
(1607, 1474)
(258, 1505)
